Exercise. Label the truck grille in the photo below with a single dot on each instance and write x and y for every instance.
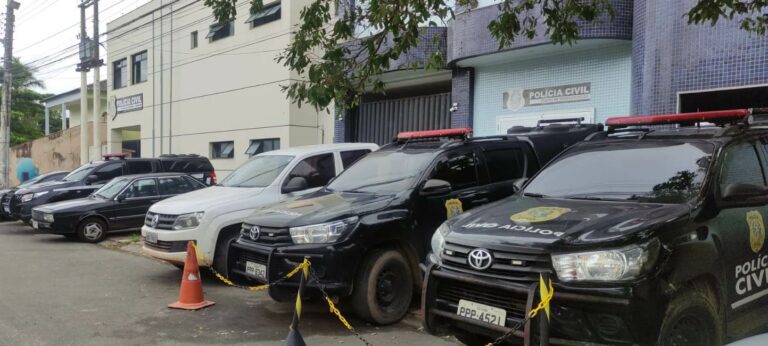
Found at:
(267, 235)
(244, 256)
(450, 291)
(507, 265)
(163, 222)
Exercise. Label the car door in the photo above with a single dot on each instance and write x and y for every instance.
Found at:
(316, 170)
(134, 202)
(742, 230)
(505, 164)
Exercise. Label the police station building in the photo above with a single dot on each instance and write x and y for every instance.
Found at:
(644, 60)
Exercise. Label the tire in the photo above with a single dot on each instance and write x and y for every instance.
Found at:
(92, 230)
(692, 318)
(383, 288)
(472, 340)
(221, 256)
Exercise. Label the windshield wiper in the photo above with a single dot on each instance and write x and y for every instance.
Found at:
(534, 195)
(593, 198)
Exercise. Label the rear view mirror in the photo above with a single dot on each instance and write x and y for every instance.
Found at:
(434, 187)
(295, 184)
(739, 192)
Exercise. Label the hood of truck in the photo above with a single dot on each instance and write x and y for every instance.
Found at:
(209, 199)
(318, 207)
(49, 186)
(545, 222)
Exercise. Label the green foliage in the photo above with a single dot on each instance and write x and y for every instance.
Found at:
(339, 57)
(27, 113)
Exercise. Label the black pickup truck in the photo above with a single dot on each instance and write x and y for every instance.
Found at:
(91, 176)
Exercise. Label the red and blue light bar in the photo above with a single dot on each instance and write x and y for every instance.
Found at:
(466, 131)
(726, 116)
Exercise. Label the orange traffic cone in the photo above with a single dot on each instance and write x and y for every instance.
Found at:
(191, 292)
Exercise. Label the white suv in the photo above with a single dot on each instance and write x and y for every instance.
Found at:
(212, 217)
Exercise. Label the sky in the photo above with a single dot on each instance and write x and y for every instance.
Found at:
(46, 37)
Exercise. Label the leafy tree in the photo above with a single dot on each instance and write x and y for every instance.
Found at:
(27, 113)
(340, 59)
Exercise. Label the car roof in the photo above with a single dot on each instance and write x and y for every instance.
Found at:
(311, 149)
(151, 175)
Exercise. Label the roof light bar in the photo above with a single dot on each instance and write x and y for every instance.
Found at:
(435, 133)
(711, 116)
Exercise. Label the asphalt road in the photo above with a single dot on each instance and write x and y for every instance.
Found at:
(54, 291)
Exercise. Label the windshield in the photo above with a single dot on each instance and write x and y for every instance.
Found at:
(31, 181)
(260, 171)
(383, 172)
(668, 172)
(80, 173)
(112, 188)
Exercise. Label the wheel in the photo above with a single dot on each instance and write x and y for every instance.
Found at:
(692, 318)
(383, 288)
(221, 256)
(469, 339)
(92, 230)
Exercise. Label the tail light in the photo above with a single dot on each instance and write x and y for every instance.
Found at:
(211, 178)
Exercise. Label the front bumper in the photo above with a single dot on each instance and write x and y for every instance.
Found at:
(333, 265)
(170, 246)
(579, 315)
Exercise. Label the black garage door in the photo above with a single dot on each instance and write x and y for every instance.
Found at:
(379, 121)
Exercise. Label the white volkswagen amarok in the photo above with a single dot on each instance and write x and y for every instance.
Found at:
(212, 217)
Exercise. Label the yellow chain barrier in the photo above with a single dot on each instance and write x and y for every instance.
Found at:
(544, 303)
(546, 296)
(335, 311)
(223, 279)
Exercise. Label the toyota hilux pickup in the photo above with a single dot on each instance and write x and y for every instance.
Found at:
(367, 230)
(651, 235)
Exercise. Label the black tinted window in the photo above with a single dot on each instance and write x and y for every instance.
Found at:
(741, 165)
(317, 170)
(108, 172)
(176, 185)
(142, 188)
(505, 164)
(139, 166)
(351, 156)
(459, 170)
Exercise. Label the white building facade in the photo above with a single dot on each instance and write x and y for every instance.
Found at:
(180, 83)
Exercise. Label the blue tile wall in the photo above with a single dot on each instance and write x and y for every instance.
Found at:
(670, 56)
(462, 95)
(608, 69)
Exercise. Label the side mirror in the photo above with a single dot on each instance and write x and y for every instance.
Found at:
(120, 197)
(519, 183)
(746, 193)
(91, 179)
(295, 184)
(435, 187)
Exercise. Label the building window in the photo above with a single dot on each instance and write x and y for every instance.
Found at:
(193, 40)
(223, 150)
(120, 73)
(259, 146)
(139, 65)
(221, 30)
(268, 13)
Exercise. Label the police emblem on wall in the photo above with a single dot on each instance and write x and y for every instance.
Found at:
(539, 214)
(453, 207)
(756, 230)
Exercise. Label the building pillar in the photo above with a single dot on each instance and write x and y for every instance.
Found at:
(47, 120)
(64, 119)
(462, 95)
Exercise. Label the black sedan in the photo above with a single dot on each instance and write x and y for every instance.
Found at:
(120, 205)
(7, 194)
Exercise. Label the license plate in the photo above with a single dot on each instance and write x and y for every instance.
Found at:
(481, 312)
(257, 270)
(34, 224)
(150, 237)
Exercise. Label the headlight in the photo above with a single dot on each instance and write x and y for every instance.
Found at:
(30, 196)
(48, 217)
(621, 264)
(324, 232)
(438, 243)
(190, 220)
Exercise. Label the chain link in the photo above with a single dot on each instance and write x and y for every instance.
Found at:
(335, 310)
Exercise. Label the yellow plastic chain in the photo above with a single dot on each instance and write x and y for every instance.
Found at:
(335, 311)
(544, 301)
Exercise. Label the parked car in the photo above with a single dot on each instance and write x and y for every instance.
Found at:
(91, 176)
(7, 194)
(119, 205)
(652, 236)
(213, 217)
(368, 229)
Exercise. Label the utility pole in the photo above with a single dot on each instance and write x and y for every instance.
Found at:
(5, 104)
(83, 67)
(96, 64)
